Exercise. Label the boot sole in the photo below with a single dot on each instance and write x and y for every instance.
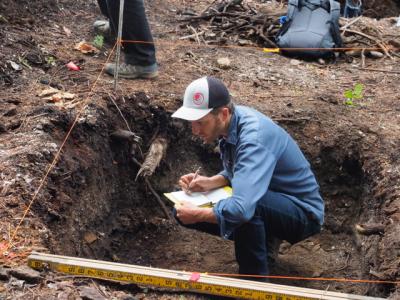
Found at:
(142, 75)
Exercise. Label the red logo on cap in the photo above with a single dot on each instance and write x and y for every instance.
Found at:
(198, 98)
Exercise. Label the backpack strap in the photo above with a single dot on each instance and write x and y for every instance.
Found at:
(292, 6)
(335, 14)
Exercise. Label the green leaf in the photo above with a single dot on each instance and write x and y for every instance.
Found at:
(50, 60)
(98, 41)
(358, 89)
(349, 102)
(348, 94)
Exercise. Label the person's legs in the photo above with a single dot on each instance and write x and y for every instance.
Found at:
(103, 7)
(276, 217)
(284, 219)
(352, 8)
(140, 53)
(250, 247)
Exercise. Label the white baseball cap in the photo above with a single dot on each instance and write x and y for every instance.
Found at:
(201, 96)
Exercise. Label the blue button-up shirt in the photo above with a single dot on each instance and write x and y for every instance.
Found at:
(257, 156)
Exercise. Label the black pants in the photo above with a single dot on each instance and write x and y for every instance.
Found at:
(135, 28)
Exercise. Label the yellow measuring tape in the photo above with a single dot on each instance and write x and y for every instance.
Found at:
(271, 50)
(201, 283)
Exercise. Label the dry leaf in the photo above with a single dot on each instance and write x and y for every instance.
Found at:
(90, 237)
(48, 92)
(53, 95)
(86, 48)
(60, 95)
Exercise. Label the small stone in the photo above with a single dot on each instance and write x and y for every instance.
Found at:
(26, 273)
(295, 62)
(88, 293)
(45, 81)
(243, 42)
(321, 61)
(317, 273)
(376, 54)
(16, 284)
(15, 66)
(224, 63)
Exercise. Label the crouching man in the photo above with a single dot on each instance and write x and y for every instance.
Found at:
(275, 194)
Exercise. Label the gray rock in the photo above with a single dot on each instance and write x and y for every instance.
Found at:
(224, 62)
(16, 284)
(26, 273)
(88, 293)
(376, 54)
(295, 62)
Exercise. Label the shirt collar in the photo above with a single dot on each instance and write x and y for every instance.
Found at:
(232, 131)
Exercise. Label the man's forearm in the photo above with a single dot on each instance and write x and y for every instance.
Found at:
(217, 181)
(206, 215)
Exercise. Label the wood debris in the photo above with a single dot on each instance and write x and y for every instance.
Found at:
(236, 22)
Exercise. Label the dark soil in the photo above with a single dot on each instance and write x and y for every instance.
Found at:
(91, 205)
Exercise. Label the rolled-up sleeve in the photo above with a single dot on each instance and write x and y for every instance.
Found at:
(252, 173)
(225, 174)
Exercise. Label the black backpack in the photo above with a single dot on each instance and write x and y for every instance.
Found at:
(310, 24)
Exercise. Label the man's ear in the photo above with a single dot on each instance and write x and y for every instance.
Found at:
(225, 113)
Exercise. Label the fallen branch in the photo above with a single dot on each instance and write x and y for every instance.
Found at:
(191, 35)
(343, 28)
(379, 43)
(368, 229)
(158, 198)
(157, 150)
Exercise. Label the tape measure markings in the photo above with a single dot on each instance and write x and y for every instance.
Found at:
(207, 284)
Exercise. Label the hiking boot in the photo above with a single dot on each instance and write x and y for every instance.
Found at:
(132, 71)
(102, 27)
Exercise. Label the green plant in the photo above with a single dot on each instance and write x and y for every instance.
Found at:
(98, 41)
(50, 60)
(355, 93)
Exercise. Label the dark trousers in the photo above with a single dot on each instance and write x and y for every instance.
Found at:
(352, 9)
(135, 28)
(276, 216)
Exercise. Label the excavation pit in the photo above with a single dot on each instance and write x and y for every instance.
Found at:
(99, 211)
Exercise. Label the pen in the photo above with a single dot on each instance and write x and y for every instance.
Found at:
(194, 177)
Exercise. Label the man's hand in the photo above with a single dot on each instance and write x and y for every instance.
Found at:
(188, 213)
(189, 183)
(201, 183)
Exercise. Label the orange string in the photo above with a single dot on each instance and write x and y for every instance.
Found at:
(182, 43)
(305, 278)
